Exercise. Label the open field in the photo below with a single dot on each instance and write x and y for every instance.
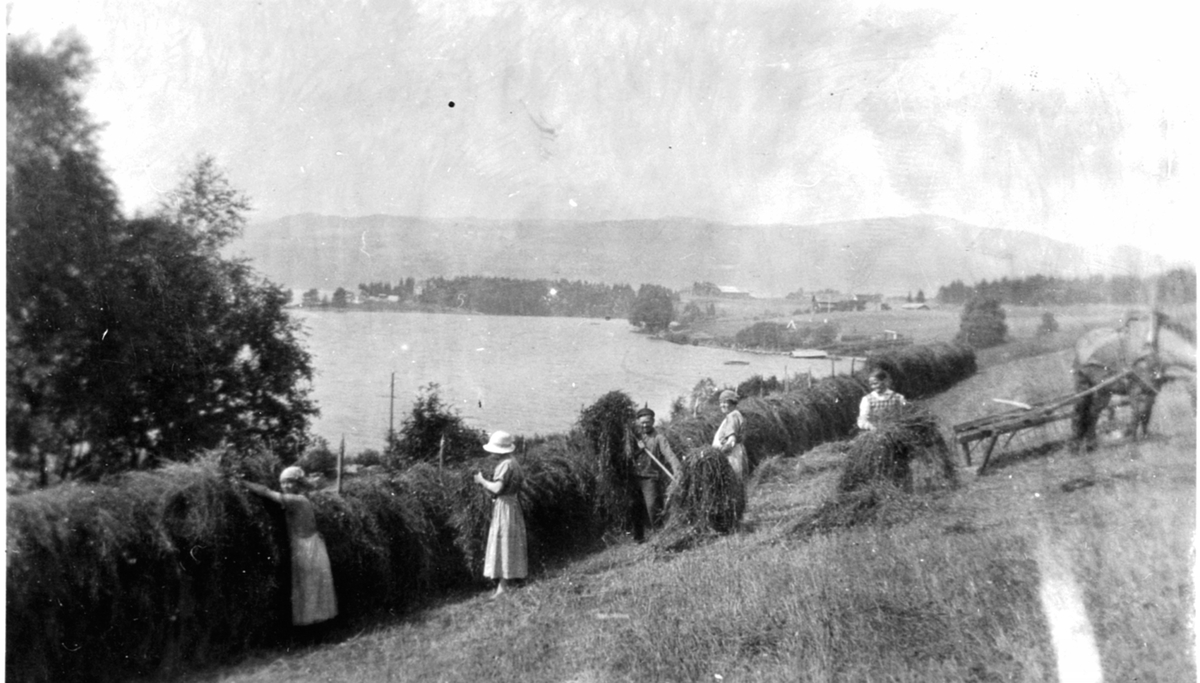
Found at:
(940, 323)
(1052, 562)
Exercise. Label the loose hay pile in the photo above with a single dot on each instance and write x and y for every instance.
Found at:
(876, 483)
(707, 497)
(887, 453)
(878, 503)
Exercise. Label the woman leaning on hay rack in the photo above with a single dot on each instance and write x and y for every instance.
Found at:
(313, 597)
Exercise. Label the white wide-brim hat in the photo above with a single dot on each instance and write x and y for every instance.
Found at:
(501, 442)
(292, 473)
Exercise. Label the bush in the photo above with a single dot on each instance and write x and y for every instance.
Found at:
(982, 324)
(1049, 325)
(779, 337)
(320, 459)
(369, 458)
(420, 435)
(760, 386)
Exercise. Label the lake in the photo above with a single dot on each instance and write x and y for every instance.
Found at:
(525, 375)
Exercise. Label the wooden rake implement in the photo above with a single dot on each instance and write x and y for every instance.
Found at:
(992, 427)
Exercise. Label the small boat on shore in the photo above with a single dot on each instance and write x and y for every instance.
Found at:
(737, 362)
(810, 353)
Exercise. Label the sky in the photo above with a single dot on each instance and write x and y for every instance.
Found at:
(1072, 120)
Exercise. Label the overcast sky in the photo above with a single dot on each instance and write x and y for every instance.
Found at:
(1074, 120)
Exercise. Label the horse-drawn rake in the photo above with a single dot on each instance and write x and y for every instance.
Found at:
(992, 427)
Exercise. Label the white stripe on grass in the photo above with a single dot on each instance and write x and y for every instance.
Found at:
(1071, 632)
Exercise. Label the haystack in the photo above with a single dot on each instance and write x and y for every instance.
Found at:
(707, 494)
(887, 453)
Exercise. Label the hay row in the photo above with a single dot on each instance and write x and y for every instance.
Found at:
(789, 423)
(792, 422)
(920, 371)
(161, 571)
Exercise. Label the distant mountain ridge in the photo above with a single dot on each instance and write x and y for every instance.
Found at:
(885, 255)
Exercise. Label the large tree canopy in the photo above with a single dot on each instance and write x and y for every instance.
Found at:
(653, 308)
(129, 341)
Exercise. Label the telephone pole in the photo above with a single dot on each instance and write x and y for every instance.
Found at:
(392, 414)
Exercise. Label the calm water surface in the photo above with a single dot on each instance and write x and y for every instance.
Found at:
(522, 374)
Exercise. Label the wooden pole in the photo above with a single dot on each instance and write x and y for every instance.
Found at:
(341, 464)
(987, 454)
(392, 414)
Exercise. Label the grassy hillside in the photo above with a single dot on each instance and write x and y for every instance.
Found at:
(940, 323)
(1000, 579)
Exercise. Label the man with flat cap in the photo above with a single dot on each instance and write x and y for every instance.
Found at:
(654, 466)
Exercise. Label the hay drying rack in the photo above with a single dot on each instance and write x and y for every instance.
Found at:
(992, 427)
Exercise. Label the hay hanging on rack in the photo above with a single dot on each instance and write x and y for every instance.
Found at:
(707, 494)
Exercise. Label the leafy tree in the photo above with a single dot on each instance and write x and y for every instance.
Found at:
(311, 298)
(1177, 286)
(369, 457)
(691, 313)
(320, 459)
(206, 205)
(420, 435)
(920, 296)
(982, 323)
(654, 308)
(62, 222)
(341, 298)
(758, 385)
(130, 342)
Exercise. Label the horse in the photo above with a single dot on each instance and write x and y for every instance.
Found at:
(1150, 349)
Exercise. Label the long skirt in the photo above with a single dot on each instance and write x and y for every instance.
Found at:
(506, 548)
(313, 598)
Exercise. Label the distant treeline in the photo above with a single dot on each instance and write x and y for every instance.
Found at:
(403, 289)
(1175, 286)
(510, 296)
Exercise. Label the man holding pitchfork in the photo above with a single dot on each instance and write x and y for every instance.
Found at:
(654, 467)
